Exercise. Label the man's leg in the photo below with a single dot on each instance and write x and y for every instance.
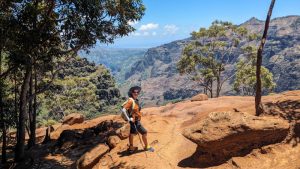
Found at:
(131, 141)
(131, 135)
(144, 136)
(143, 131)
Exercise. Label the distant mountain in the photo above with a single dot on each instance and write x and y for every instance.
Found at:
(117, 60)
(156, 71)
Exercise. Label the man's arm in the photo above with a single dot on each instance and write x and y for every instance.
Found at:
(126, 108)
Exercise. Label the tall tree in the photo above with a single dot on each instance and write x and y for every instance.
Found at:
(55, 30)
(32, 110)
(7, 116)
(4, 36)
(258, 104)
(2, 123)
(206, 57)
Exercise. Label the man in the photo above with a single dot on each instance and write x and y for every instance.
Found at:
(132, 106)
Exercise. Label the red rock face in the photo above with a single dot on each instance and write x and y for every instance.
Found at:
(227, 134)
(92, 157)
(225, 139)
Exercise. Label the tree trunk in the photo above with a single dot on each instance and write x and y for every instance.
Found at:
(16, 104)
(258, 104)
(47, 135)
(34, 105)
(30, 112)
(19, 153)
(32, 123)
(205, 90)
(218, 86)
(2, 122)
(211, 89)
(4, 138)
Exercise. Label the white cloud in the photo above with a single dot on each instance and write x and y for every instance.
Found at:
(170, 29)
(133, 23)
(146, 33)
(149, 26)
(145, 30)
(136, 34)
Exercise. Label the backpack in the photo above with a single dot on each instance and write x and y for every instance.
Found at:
(132, 106)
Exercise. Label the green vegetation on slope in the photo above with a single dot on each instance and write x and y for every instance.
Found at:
(80, 87)
(119, 61)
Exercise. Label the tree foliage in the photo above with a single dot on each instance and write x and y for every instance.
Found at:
(206, 57)
(39, 35)
(80, 87)
(245, 78)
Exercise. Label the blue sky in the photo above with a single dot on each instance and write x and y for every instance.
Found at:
(168, 20)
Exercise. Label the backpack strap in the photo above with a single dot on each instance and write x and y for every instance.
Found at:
(132, 106)
(133, 103)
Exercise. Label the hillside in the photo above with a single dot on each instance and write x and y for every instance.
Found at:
(80, 87)
(78, 146)
(118, 61)
(157, 73)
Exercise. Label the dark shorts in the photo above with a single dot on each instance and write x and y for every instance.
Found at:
(139, 128)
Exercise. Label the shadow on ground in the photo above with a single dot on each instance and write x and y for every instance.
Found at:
(290, 111)
(126, 153)
(68, 148)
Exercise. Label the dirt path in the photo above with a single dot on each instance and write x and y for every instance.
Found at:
(165, 126)
(164, 135)
(172, 150)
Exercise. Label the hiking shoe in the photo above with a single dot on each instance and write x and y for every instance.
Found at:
(132, 149)
(149, 148)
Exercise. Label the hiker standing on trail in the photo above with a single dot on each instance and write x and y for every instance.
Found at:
(133, 110)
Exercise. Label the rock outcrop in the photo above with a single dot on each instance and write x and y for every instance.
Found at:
(179, 94)
(92, 157)
(222, 135)
(199, 97)
(68, 138)
(123, 132)
(227, 134)
(73, 118)
(113, 141)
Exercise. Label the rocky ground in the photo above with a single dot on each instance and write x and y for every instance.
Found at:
(215, 133)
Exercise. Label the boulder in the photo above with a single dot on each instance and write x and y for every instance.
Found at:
(104, 126)
(73, 118)
(226, 134)
(92, 157)
(68, 138)
(123, 132)
(112, 141)
(199, 97)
